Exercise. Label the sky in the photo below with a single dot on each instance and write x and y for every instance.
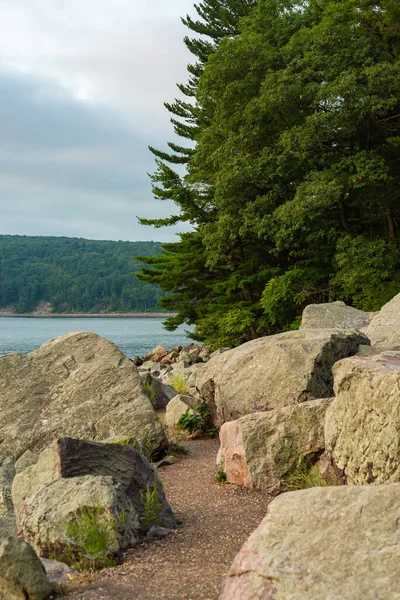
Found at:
(82, 87)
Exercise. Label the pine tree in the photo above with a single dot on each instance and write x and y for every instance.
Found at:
(185, 260)
(293, 183)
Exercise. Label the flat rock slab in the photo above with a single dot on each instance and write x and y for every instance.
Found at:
(274, 371)
(258, 450)
(79, 385)
(323, 543)
(363, 423)
(334, 315)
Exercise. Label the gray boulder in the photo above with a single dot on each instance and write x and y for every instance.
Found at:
(322, 543)
(334, 315)
(78, 384)
(7, 474)
(257, 450)
(22, 576)
(275, 371)
(384, 328)
(68, 459)
(363, 423)
(162, 393)
(66, 518)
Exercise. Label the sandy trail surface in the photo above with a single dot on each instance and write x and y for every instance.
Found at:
(189, 564)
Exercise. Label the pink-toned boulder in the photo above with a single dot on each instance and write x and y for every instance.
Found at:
(156, 354)
(257, 450)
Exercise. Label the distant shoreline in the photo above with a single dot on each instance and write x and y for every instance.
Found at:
(91, 315)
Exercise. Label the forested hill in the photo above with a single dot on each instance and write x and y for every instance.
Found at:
(74, 275)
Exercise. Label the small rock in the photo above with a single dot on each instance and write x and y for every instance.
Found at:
(138, 361)
(58, 572)
(158, 532)
(178, 406)
(165, 462)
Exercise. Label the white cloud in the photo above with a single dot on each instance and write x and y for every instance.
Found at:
(83, 84)
(128, 55)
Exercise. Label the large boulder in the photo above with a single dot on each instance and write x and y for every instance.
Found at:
(363, 423)
(88, 501)
(22, 576)
(275, 371)
(83, 517)
(334, 315)
(384, 328)
(7, 474)
(257, 450)
(322, 543)
(68, 458)
(79, 385)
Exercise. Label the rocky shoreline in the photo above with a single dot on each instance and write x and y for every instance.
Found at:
(89, 315)
(318, 407)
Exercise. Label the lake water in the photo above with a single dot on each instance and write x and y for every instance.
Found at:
(134, 336)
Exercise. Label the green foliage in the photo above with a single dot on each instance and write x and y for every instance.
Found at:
(91, 534)
(151, 505)
(179, 384)
(221, 475)
(302, 475)
(151, 392)
(127, 441)
(191, 423)
(368, 271)
(143, 448)
(74, 275)
(293, 175)
(286, 295)
(201, 422)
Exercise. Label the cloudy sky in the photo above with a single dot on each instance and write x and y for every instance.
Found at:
(82, 86)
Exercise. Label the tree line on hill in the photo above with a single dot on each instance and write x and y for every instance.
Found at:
(291, 144)
(74, 275)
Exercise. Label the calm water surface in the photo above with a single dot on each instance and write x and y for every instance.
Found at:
(132, 336)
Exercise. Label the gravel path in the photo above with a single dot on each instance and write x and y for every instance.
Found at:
(189, 564)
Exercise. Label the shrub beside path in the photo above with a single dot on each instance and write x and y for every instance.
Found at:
(189, 564)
